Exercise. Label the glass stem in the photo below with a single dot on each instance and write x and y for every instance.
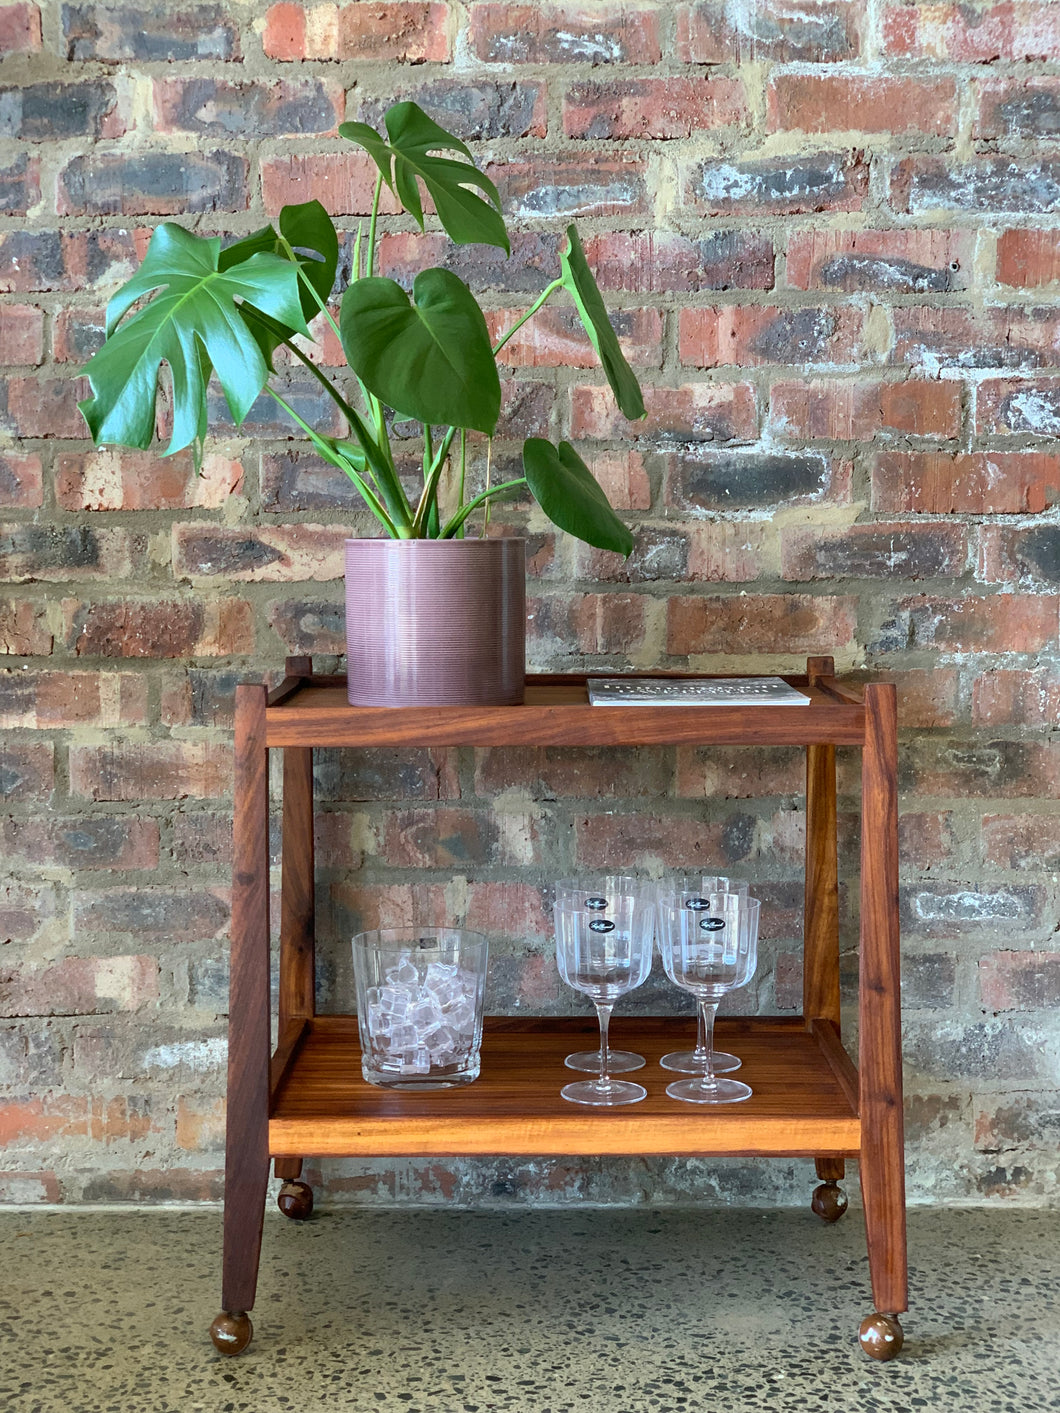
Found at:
(701, 1052)
(603, 1015)
(707, 1011)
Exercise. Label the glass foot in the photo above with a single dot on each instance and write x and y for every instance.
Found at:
(621, 1061)
(686, 1062)
(723, 1091)
(619, 1091)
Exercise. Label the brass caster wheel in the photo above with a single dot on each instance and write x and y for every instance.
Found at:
(881, 1336)
(829, 1201)
(231, 1332)
(295, 1200)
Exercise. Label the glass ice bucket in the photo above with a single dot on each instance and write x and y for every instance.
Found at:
(419, 1005)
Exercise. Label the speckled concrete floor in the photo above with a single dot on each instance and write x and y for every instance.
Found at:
(548, 1312)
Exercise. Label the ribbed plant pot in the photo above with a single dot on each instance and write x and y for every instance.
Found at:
(435, 622)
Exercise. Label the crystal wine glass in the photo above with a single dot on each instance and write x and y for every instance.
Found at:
(605, 957)
(598, 896)
(695, 1061)
(709, 951)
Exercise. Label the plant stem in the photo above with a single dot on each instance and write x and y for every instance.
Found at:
(459, 532)
(430, 486)
(489, 468)
(453, 525)
(370, 267)
(370, 498)
(547, 293)
(325, 381)
(321, 304)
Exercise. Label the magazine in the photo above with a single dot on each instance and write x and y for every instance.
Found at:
(694, 691)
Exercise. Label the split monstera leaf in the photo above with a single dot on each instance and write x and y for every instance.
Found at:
(207, 311)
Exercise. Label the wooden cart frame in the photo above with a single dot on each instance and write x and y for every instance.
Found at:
(308, 1097)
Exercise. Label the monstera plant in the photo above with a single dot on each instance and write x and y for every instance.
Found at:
(203, 308)
(211, 310)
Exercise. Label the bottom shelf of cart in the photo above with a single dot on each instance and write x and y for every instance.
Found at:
(804, 1101)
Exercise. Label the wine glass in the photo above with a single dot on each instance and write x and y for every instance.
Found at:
(598, 897)
(605, 957)
(695, 1061)
(709, 951)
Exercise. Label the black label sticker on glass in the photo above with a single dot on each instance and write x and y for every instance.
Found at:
(601, 924)
(712, 924)
(596, 903)
(697, 905)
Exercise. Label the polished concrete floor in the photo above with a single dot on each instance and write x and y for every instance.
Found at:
(548, 1312)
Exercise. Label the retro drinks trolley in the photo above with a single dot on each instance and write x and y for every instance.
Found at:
(308, 1097)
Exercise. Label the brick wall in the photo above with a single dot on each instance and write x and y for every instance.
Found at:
(832, 235)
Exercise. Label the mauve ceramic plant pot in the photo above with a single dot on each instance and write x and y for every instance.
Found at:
(435, 622)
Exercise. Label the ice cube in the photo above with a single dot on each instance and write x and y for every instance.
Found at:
(403, 1037)
(395, 1000)
(404, 973)
(439, 972)
(380, 1022)
(425, 1011)
(441, 1040)
(461, 1017)
(371, 996)
(422, 1061)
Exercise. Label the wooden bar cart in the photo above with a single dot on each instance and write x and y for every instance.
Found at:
(308, 1098)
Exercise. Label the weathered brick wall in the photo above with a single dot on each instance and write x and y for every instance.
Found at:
(831, 230)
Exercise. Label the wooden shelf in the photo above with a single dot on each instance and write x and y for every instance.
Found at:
(315, 712)
(804, 1099)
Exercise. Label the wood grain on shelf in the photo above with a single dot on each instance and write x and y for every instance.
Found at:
(324, 1107)
(557, 713)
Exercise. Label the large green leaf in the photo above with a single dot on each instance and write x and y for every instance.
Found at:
(410, 157)
(578, 280)
(570, 495)
(309, 229)
(194, 324)
(430, 359)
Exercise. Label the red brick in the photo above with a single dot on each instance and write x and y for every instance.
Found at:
(555, 338)
(49, 699)
(396, 31)
(738, 774)
(974, 483)
(509, 910)
(622, 840)
(1012, 623)
(273, 554)
(588, 623)
(27, 772)
(28, 1187)
(926, 185)
(730, 552)
(75, 260)
(191, 914)
(19, 186)
(24, 630)
(61, 552)
(154, 770)
(787, 623)
(77, 334)
(34, 1121)
(833, 410)
(206, 838)
(201, 1125)
(1006, 338)
(716, 412)
(1028, 259)
(572, 186)
(20, 30)
(21, 481)
(1016, 108)
(561, 772)
(644, 262)
(807, 31)
(1016, 697)
(342, 181)
(154, 628)
(903, 262)
(1010, 29)
(858, 103)
(311, 625)
(80, 986)
(440, 838)
(217, 108)
(659, 552)
(1016, 405)
(43, 407)
(153, 183)
(1023, 555)
(1017, 1121)
(22, 334)
(366, 906)
(926, 696)
(980, 768)
(1020, 981)
(564, 34)
(753, 335)
(1028, 842)
(926, 839)
(113, 479)
(874, 551)
(624, 478)
(652, 107)
(476, 109)
(82, 841)
(778, 186)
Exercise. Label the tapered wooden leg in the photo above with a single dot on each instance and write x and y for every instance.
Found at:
(882, 1162)
(820, 977)
(247, 1140)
